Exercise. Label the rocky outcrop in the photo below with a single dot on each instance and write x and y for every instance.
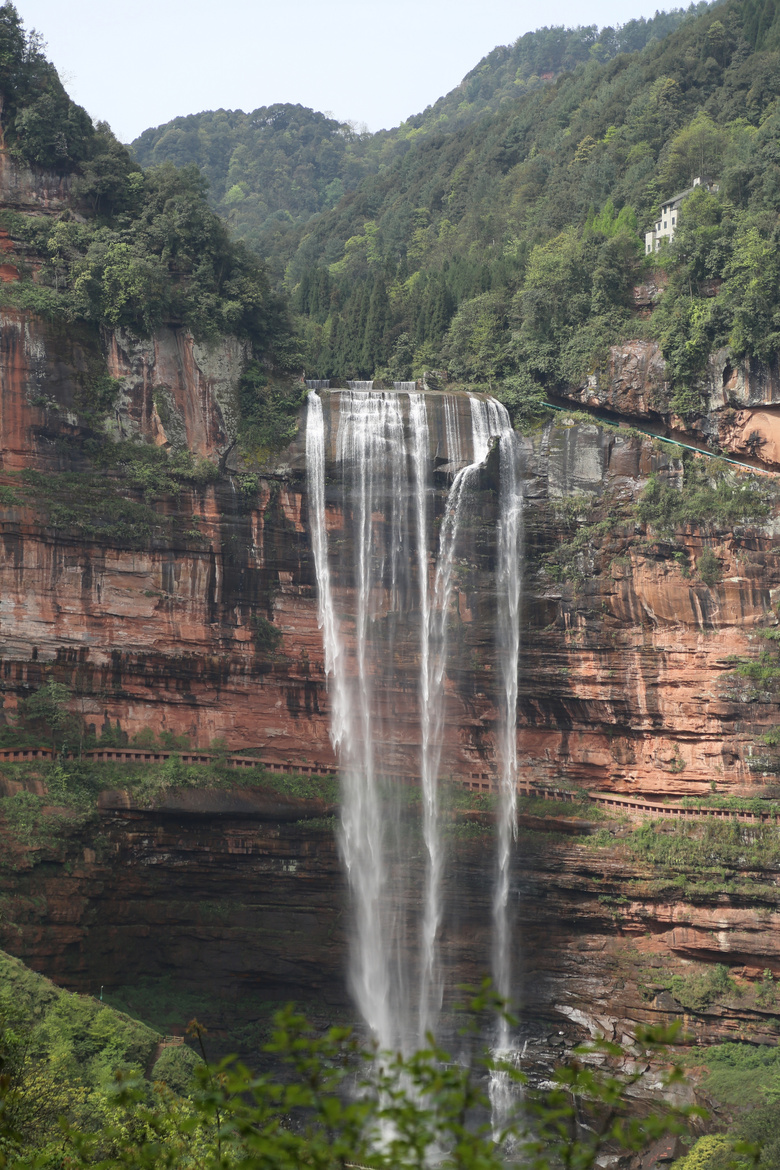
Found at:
(41, 192)
(169, 390)
(737, 410)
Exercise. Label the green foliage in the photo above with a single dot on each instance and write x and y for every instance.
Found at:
(281, 164)
(76, 784)
(712, 847)
(145, 249)
(495, 234)
(23, 816)
(523, 397)
(93, 505)
(767, 991)
(708, 567)
(763, 671)
(709, 495)
(698, 991)
(269, 410)
(176, 1067)
(740, 1074)
(165, 258)
(39, 120)
(405, 1110)
(267, 169)
(744, 1078)
(711, 1151)
(265, 635)
(59, 1056)
(48, 709)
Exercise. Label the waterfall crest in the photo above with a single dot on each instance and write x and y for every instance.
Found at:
(389, 602)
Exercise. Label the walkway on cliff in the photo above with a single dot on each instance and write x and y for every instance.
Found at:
(659, 431)
(480, 783)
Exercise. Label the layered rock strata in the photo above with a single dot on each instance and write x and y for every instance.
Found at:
(245, 908)
(737, 409)
(625, 675)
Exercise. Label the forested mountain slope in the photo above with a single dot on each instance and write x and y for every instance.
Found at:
(93, 242)
(279, 165)
(507, 250)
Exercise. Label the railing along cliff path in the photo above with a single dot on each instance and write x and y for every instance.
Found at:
(480, 782)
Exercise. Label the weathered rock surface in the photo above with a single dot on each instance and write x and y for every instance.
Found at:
(172, 391)
(740, 400)
(625, 682)
(247, 912)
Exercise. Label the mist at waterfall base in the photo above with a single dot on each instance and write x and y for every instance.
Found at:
(405, 470)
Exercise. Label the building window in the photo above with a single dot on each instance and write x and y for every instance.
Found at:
(664, 223)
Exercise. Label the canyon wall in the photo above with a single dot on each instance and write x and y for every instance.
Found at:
(242, 910)
(625, 682)
(625, 679)
(207, 625)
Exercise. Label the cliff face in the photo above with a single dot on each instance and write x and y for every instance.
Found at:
(625, 682)
(172, 391)
(624, 679)
(244, 911)
(740, 401)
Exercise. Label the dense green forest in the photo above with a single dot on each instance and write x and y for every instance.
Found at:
(59, 1059)
(278, 165)
(502, 239)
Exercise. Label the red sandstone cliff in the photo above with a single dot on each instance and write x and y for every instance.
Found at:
(740, 401)
(624, 678)
(624, 683)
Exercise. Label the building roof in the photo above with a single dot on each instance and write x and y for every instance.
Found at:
(676, 198)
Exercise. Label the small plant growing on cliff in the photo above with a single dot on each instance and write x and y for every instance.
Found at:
(681, 557)
(48, 710)
(677, 763)
(767, 990)
(266, 637)
(708, 567)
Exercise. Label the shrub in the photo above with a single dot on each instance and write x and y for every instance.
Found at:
(708, 567)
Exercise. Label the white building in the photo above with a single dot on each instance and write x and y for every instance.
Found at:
(664, 227)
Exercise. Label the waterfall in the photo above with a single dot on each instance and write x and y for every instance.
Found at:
(432, 704)
(404, 387)
(508, 644)
(318, 383)
(361, 385)
(395, 598)
(452, 432)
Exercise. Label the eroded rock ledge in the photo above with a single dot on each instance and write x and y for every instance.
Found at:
(740, 401)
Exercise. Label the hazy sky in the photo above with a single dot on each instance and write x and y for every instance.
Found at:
(371, 61)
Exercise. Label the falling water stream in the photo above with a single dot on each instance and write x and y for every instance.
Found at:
(383, 592)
